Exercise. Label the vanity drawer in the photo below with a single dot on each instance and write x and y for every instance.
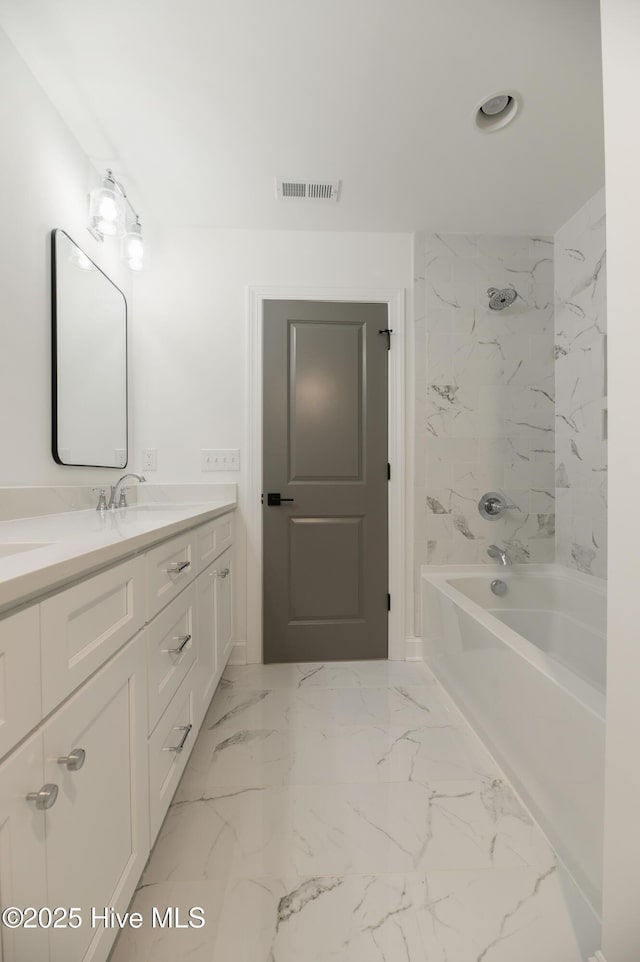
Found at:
(170, 568)
(169, 748)
(212, 539)
(171, 650)
(20, 701)
(86, 624)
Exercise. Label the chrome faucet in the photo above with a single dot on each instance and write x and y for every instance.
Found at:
(499, 554)
(118, 497)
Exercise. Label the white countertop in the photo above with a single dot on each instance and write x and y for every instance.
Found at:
(75, 543)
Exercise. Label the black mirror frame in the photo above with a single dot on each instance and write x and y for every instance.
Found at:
(54, 359)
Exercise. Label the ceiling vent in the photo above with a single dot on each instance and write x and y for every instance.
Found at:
(290, 189)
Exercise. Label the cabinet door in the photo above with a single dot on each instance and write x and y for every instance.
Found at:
(224, 607)
(22, 851)
(97, 833)
(206, 646)
(215, 627)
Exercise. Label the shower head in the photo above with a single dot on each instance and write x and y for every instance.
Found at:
(498, 300)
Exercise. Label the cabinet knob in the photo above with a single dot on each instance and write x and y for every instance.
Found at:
(221, 574)
(45, 798)
(74, 760)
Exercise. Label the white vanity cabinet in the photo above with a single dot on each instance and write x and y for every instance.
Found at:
(85, 842)
(215, 627)
(171, 650)
(106, 684)
(85, 624)
(212, 539)
(170, 568)
(170, 745)
(212, 630)
(20, 699)
(23, 866)
(224, 608)
(97, 837)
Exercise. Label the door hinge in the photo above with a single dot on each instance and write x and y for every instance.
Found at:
(388, 471)
(388, 602)
(388, 331)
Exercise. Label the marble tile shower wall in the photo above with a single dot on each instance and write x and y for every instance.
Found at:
(581, 325)
(485, 397)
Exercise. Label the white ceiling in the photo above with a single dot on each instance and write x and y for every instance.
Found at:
(201, 103)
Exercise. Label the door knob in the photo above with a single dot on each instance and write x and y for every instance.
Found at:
(274, 499)
(74, 760)
(45, 798)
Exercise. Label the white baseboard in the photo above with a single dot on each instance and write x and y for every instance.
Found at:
(413, 649)
(238, 654)
(412, 652)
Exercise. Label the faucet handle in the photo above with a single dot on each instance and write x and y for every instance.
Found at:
(102, 499)
(122, 503)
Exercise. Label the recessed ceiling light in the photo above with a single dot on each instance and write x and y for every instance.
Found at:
(495, 105)
(496, 111)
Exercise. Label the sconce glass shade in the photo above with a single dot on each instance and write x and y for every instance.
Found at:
(132, 248)
(107, 210)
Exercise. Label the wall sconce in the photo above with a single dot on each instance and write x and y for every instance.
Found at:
(132, 247)
(108, 206)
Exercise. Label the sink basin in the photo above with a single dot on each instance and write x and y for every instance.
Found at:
(9, 549)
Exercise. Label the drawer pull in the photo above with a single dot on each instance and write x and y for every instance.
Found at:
(74, 760)
(184, 639)
(222, 574)
(178, 748)
(178, 567)
(45, 798)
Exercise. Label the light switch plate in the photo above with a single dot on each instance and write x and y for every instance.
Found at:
(220, 460)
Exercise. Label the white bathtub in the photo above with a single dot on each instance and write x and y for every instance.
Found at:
(528, 671)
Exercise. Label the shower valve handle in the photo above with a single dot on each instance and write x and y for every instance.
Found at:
(493, 505)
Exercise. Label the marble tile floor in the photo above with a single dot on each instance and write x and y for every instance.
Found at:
(345, 812)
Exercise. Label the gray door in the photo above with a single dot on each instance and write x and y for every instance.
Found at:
(325, 447)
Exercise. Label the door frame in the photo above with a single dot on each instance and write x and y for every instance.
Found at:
(395, 301)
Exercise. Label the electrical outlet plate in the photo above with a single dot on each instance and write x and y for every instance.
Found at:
(121, 457)
(150, 459)
(220, 460)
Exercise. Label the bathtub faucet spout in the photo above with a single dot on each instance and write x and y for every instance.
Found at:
(499, 554)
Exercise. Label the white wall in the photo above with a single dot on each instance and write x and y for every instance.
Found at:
(190, 336)
(621, 61)
(581, 445)
(44, 183)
